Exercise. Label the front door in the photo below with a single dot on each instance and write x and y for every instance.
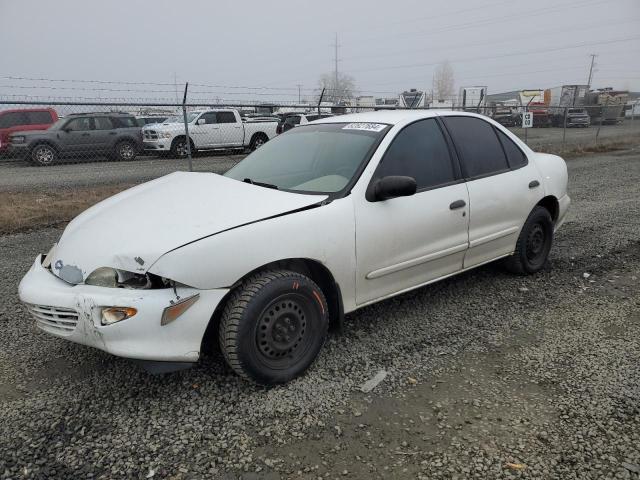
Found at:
(405, 242)
(75, 137)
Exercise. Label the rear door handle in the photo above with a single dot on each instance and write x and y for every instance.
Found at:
(457, 204)
(86, 134)
(534, 184)
(113, 133)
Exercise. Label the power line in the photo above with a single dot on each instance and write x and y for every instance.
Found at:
(524, 52)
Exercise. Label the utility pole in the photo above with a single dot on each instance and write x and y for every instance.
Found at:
(299, 90)
(175, 85)
(593, 58)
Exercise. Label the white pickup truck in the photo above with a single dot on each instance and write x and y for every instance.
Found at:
(208, 130)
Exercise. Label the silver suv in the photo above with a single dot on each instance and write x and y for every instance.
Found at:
(82, 135)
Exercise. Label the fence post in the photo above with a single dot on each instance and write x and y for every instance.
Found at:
(186, 126)
(564, 128)
(601, 118)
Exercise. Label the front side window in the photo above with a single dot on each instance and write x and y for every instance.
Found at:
(419, 151)
(321, 158)
(209, 118)
(103, 123)
(39, 118)
(478, 145)
(79, 124)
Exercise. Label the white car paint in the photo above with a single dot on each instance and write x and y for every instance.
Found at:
(206, 232)
(205, 135)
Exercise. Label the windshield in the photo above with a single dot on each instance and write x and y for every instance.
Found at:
(191, 116)
(57, 125)
(313, 158)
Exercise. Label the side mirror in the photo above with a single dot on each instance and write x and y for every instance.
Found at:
(201, 121)
(391, 187)
(66, 130)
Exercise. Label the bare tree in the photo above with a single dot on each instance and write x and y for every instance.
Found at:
(443, 82)
(336, 92)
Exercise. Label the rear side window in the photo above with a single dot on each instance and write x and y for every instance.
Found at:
(124, 122)
(102, 123)
(515, 156)
(478, 145)
(226, 117)
(419, 151)
(39, 118)
(13, 119)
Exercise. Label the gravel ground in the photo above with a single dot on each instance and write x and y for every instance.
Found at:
(20, 175)
(489, 376)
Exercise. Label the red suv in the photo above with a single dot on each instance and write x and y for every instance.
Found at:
(24, 119)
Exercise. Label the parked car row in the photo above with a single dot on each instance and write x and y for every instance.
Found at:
(44, 138)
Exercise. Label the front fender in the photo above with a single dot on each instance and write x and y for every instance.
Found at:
(325, 234)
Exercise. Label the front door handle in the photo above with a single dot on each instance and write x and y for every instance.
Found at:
(534, 184)
(457, 204)
(86, 134)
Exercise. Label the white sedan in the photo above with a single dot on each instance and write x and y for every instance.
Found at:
(324, 219)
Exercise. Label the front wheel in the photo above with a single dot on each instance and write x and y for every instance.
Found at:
(44, 155)
(273, 326)
(533, 245)
(179, 148)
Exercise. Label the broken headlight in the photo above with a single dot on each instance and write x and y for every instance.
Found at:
(113, 278)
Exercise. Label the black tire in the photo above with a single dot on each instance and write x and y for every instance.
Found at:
(257, 141)
(179, 147)
(533, 245)
(125, 150)
(273, 326)
(44, 155)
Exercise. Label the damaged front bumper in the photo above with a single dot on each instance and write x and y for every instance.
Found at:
(74, 312)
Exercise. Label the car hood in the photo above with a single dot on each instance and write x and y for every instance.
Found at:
(29, 133)
(134, 228)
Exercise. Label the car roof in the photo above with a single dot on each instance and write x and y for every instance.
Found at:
(392, 117)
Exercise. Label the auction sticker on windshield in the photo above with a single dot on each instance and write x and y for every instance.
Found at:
(369, 127)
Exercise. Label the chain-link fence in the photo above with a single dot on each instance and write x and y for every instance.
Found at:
(66, 144)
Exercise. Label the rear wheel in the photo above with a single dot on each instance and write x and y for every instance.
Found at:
(273, 326)
(125, 151)
(257, 141)
(44, 155)
(534, 243)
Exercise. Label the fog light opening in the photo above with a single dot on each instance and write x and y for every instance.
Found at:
(111, 315)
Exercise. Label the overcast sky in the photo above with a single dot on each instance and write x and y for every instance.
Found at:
(386, 47)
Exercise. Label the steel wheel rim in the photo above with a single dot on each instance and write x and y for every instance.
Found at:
(536, 242)
(44, 155)
(283, 331)
(126, 151)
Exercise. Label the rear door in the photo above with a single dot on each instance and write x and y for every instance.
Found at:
(230, 130)
(502, 192)
(104, 135)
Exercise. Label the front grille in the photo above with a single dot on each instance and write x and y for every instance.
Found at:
(150, 135)
(54, 319)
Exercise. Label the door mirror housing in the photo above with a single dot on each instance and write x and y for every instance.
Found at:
(66, 130)
(390, 187)
(201, 121)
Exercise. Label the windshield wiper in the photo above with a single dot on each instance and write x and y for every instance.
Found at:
(260, 184)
